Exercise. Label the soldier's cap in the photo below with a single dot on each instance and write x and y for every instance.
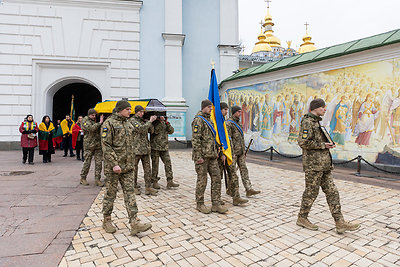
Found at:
(223, 105)
(121, 105)
(235, 109)
(138, 108)
(205, 103)
(91, 111)
(317, 103)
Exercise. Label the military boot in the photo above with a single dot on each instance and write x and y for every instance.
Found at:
(252, 192)
(107, 225)
(219, 208)
(99, 183)
(137, 191)
(138, 227)
(202, 208)
(171, 184)
(343, 226)
(155, 185)
(150, 191)
(239, 201)
(83, 181)
(304, 222)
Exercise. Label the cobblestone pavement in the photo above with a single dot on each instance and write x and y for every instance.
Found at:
(262, 233)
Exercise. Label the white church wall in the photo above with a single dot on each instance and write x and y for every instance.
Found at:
(82, 32)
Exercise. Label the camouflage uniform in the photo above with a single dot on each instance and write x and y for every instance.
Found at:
(205, 147)
(238, 150)
(142, 148)
(159, 148)
(117, 142)
(92, 147)
(317, 165)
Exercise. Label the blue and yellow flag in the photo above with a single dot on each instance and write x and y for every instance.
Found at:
(222, 136)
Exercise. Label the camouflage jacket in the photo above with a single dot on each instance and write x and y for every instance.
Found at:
(117, 143)
(203, 139)
(159, 138)
(312, 140)
(141, 128)
(92, 133)
(237, 138)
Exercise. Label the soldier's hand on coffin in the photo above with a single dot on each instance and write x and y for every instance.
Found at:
(101, 118)
(153, 118)
(162, 118)
(223, 158)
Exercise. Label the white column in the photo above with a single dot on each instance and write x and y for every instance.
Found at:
(174, 40)
(229, 38)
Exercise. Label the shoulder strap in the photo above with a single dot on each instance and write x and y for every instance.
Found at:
(210, 126)
(237, 126)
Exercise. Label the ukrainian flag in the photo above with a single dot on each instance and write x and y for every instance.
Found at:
(222, 137)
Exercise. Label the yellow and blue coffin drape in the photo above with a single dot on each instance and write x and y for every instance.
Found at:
(151, 107)
(222, 137)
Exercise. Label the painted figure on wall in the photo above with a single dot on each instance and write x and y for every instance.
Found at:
(338, 122)
(286, 114)
(278, 115)
(395, 114)
(295, 116)
(365, 124)
(267, 118)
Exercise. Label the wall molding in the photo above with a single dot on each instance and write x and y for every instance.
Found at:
(114, 4)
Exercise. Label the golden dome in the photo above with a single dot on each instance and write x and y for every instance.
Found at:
(271, 39)
(307, 46)
(261, 45)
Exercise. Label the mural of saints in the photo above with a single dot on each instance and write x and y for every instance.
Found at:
(286, 115)
(278, 115)
(366, 121)
(295, 116)
(338, 122)
(267, 118)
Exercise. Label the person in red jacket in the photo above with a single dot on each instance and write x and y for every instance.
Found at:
(28, 129)
(77, 138)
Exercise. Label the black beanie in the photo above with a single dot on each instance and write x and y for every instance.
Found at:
(235, 109)
(121, 105)
(223, 105)
(317, 103)
(91, 111)
(138, 108)
(205, 103)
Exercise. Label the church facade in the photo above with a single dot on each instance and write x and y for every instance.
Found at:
(102, 50)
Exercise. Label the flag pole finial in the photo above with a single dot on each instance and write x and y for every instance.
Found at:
(212, 63)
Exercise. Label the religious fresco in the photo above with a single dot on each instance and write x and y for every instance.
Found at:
(363, 111)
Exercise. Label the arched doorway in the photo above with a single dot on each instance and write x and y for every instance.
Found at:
(85, 96)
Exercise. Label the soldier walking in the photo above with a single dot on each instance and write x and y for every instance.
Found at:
(92, 147)
(317, 165)
(159, 149)
(238, 149)
(117, 143)
(142, 148)
(232, 179)
(204, 155)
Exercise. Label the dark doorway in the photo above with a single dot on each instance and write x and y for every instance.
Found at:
(85, 96)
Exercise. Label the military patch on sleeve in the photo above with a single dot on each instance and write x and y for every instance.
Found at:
(305, 134)
(195, 128)
(85, 123)
(105, 131)
(136, 124)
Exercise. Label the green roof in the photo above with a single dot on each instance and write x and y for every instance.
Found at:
(374, 41)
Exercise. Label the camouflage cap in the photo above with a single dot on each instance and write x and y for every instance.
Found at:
(91, 111)
(138, 108)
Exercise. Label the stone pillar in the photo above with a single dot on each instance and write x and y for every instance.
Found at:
(173, 42)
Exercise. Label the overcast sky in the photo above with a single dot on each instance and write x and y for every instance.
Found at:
(331, 21)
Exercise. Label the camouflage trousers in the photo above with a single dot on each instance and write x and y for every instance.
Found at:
(210, 166)
(155, 159)
(323, 179)
(231, 176)
(145, 159)
(98, 158)
(244, 173)
(126, 181)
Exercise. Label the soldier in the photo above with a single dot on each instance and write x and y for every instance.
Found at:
(233, 179)
(92, 147)
(142, 148)
(238, 149)
(204, 155)
(317, 165)
(159, 149)
(117, 143)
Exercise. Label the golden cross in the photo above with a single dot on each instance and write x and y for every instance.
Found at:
(306, 26)
(261, 23)
(268, 1)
